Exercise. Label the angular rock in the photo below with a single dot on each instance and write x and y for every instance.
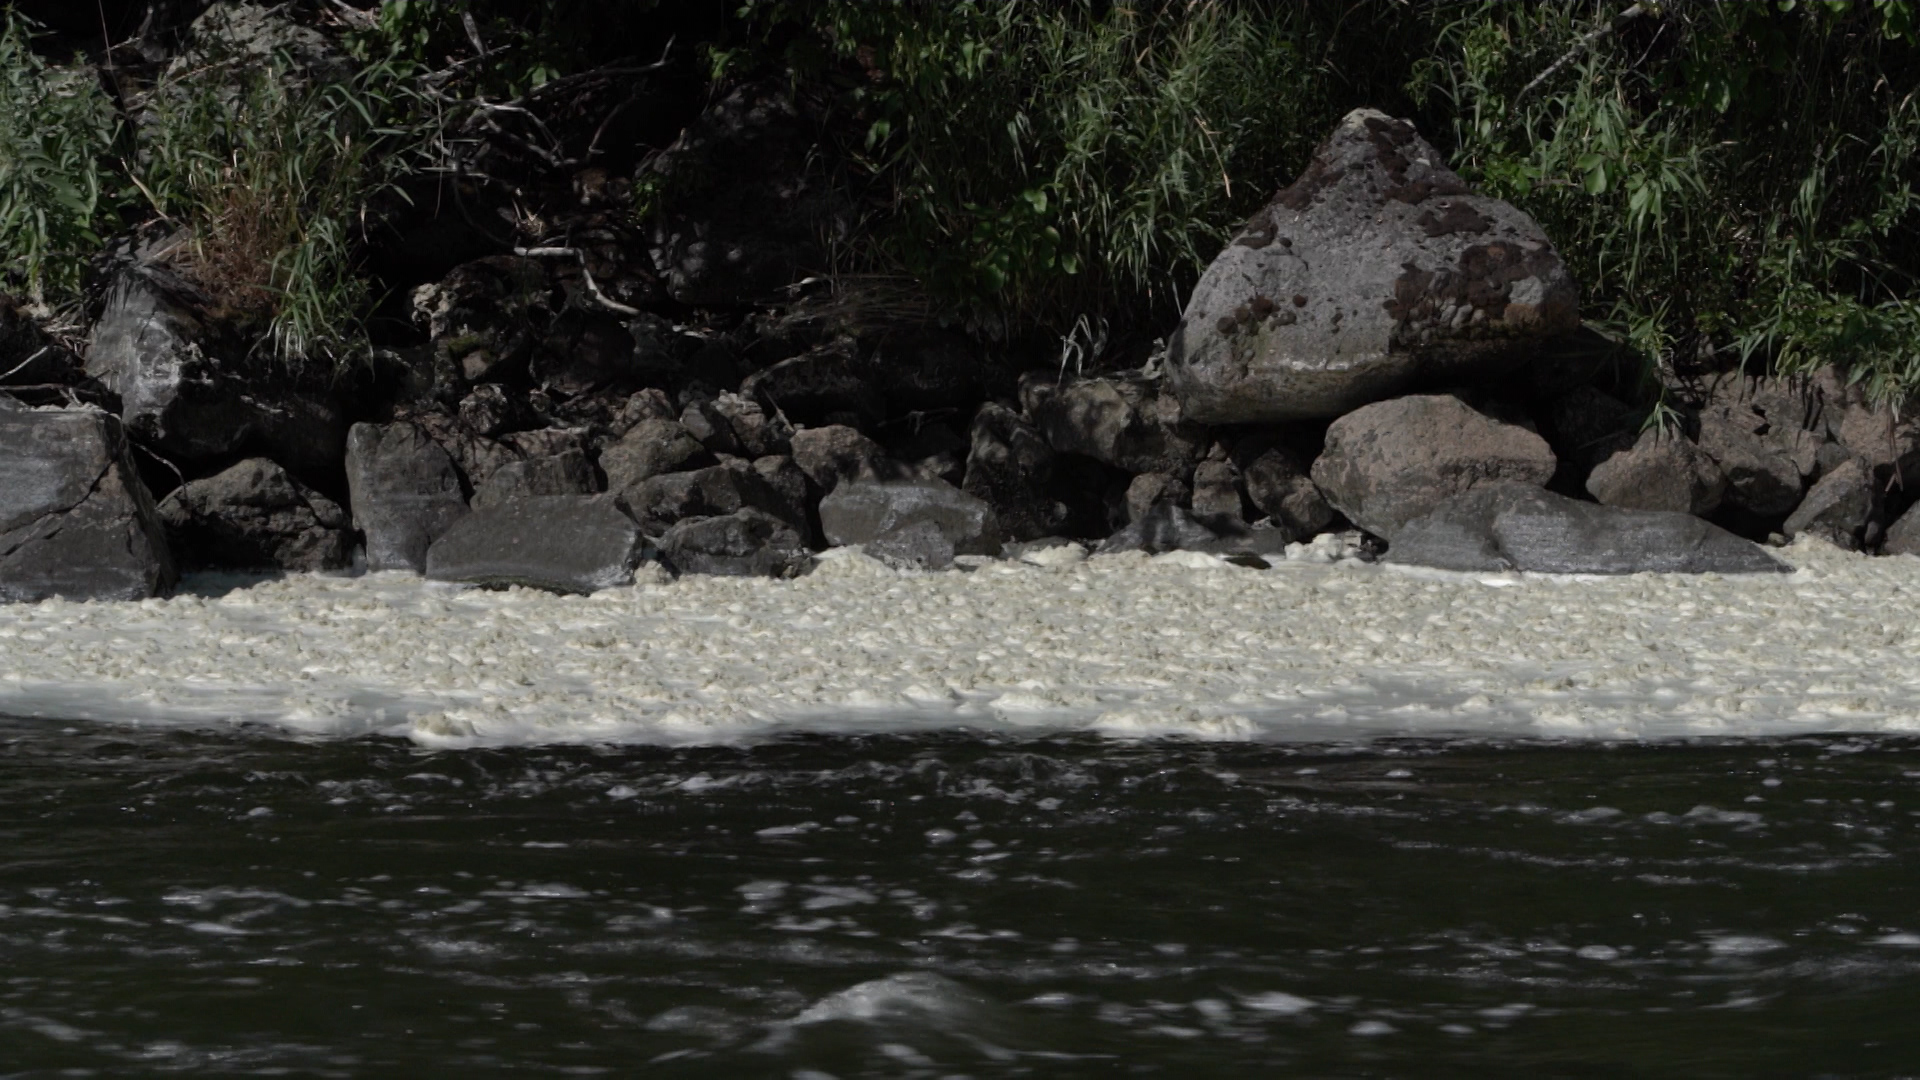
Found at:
(719, 489)
(897, 514)
(1376, 270)
(561, 543)
(1388, 463)
(1660, 471)
(1841, 507)
(653, 448)
(179, 395)
(756, 434)
(1278, 485)
(1766, 437)
(745, 543)
(1498, 527)
(1167, 527)
(706, 423)
(1010, 467)
(828, 385)
(1126, 423)
(836, 453)
(1149, 490)
(254, 516)
(565, 473)
(76, 522)
(1903, 536)
(789, 486)
(1216, 493)
(404, 491)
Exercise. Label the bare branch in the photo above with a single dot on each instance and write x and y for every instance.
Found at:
(1580, 45)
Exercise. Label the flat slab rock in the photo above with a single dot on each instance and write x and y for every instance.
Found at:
(1519, 527)
(76, 522)
(560, 543)
(1379, 268)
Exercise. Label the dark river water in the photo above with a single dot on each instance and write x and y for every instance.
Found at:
(233, 903)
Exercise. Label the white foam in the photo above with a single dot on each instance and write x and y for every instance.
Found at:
(1126, 645)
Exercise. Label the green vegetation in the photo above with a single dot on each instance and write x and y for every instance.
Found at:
(1730, 180)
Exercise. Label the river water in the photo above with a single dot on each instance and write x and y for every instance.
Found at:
(1099, 820)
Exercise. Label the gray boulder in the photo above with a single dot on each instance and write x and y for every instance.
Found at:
(1278, 485)
(710, 426)
(835, 453)
(1149, 490)
(1168, 527)
(1766, 435)
(719, 489)
(180, 396)
(561, 543)
(653, 448)
(1010, 467)
(757, 434)
(254, 516)
(1841, 508)
(76, 522)
(1388, 463)
(745, 543)
(566, 473)
(1378, 268)
(903, 516)
(1660, 471)
(1497, 527)
(404, 491)
(788, 485)
(1126, 423)
(1216, 492)
(1903, 536)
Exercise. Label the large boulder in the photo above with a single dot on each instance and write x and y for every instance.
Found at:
(1376, 270)
(1661, 470)
(75, 520)
(1497, 527)
(405, 493)
(836, 452)
(1766, 435)
(1010, 467)
(719, 489)
(927, 522)
(745, 543)
(182, 395)
(254, 516)
(566, 473)
(1390, 462)
(653, 448)
(1843, 507)
(561, 543)
(1123, 422)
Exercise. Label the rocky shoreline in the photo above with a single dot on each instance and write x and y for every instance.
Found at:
(1381, 353)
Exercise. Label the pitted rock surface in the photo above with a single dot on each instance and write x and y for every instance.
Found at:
(254, 516)
(1376, 270)
(1660, 471)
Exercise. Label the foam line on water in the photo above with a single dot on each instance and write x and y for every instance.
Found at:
(1125, 645)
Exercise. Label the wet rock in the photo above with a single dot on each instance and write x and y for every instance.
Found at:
(1840, 508)
(1660, 471)
(254, 516)
(75, 520)
(1010, 467)
(1126, 423)
(1498, 527)
(903, 517)
(836, 453)
(745, 543)
(565, 473)
(562, 543)
(404, 491)
(1168, 527)
(180, 396)
(1278, 485)
(659, 502)
(1378, 268)
(653, 448)
(1149, 490)
(745, 205)
(1388, 463)
(1766, 436)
